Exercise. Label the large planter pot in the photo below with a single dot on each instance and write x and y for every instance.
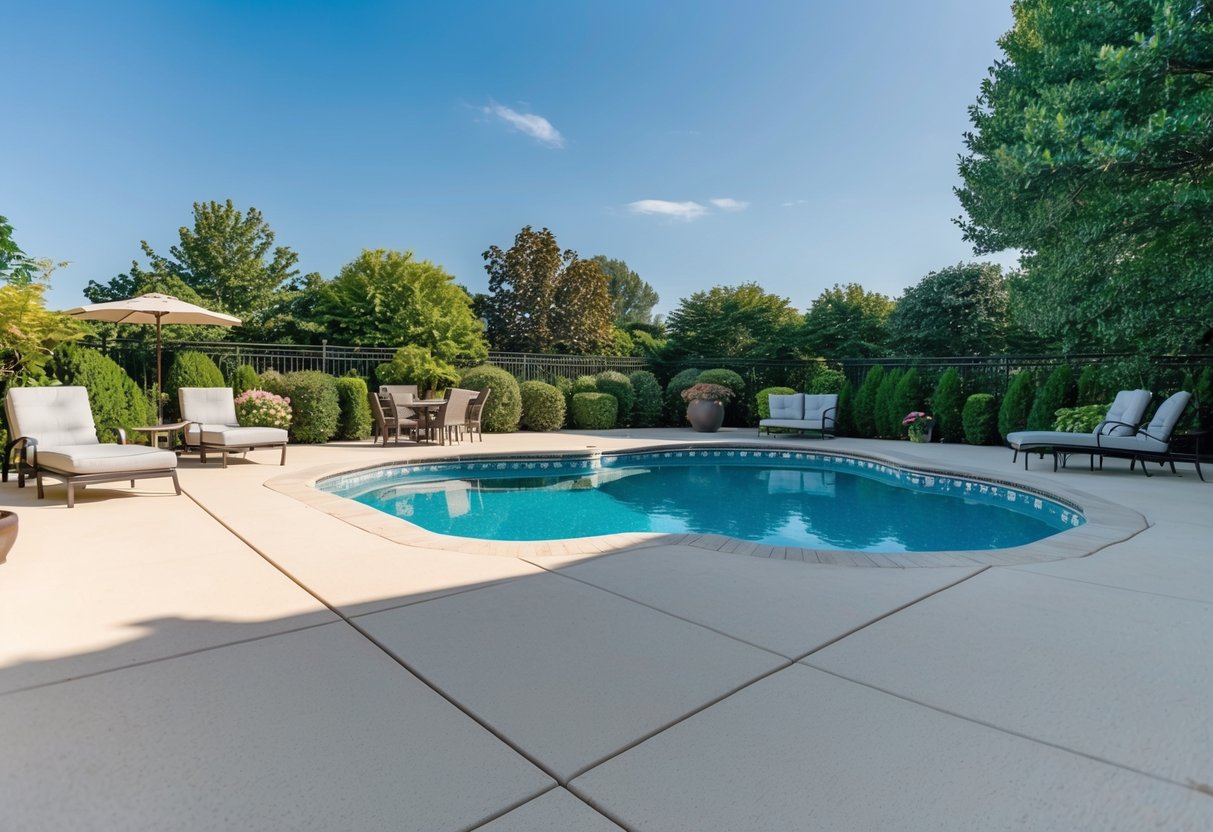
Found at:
(705, 416)
(8, 532)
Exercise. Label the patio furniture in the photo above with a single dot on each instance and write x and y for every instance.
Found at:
(387, 421)
(54, 434)
(211, 412)
(1122, 419)
(802, 412)
(454, 416)
(475, 411)
(1151, 443)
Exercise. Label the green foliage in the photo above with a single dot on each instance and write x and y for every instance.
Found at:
(594, 411)
(116, 400)
(947, 402)
(315, 407)
(646, 410)
(632, 300)
(1202, 391)
(503, 411)
(1091, 387)
(262, 409)
(848, 322)
(827, 380)
(1082, 419)
(585, 384)
(1090, 153)
(189, 369)
(1013, 415)
(960, 310)
(243, 377)
(980, 419)
(865, 403)
(386, 297)
(1058, 392)
(725, 378)
(619, 386)
(542, 406)
(763, 399)
(29, 333)
(675, 407)
(844, 420)
(416, 365)
(888, 420)
(734, 322)
(543, 300)
(16, 268)
(907, 398)
(565, 386)
(354, 410)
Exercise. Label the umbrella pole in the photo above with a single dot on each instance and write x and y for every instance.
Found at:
(159, 403)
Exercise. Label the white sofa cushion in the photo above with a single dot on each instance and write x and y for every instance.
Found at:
(237, 437)
(786, 406)
(816, 406)
(97, 458)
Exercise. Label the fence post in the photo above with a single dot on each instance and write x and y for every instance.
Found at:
(324, 355)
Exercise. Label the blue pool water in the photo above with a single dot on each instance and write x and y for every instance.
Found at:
(779, 498)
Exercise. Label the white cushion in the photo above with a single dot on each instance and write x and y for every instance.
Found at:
(52, 415)
(104, 459)
(237, 437)
(1050, 438)
(1129, 407)
(786, 406)
(208, 405)
(796, 424)
(815, 407)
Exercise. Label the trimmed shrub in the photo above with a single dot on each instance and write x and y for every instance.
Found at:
(503, 410)
(827, 380)
(1082, 419)
(1013, 415)
(1202, 392)
(263, 409)
(116, 400)
(565, 386)
(980, 418)
(1057, 393)
(1091, 387)
(675, 407)
(844, 420)
(354, 411)
(416, 365)
(888, 420)
(189, 369)
(244, 377)
(947, 402)
(864, 414)
(646, 410)
(314, 406)
(619, 386)
(594, 411)
(585, 384)
(542, 406)
(907, 398)
(763, 399)
(725, 378)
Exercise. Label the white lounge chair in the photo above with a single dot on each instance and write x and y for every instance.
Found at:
(1122, 420)
(211, 412)
(54, 434)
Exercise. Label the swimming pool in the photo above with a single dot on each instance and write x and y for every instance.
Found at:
(773, 497)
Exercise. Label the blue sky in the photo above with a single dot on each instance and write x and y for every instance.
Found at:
(796, 144)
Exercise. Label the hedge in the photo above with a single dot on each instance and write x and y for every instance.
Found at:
(116, 400)
(189, 369)
(864, 415)
(354, 410)
(827, 380)
(1057, 393)
(1013, 415)
(675, 407)
(888, 420)
(503, 411)
(594, 411)
(947, 402)
(646, 410)
(315, 409)
(844, 420)
(585, 384)
(907, 398)
(244, 377)
(980, 417)
(619, 386)
(565, 386)
(542, 406)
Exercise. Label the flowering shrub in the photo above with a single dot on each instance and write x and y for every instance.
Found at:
(262, 409)
(707, 392)
(919, 424)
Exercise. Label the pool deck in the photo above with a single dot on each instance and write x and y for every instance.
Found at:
(239, 658)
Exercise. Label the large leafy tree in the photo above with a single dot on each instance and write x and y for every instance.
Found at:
(15, 267)
(632, 299)
(733, 322)
(848, 322)
(544, 300)
(1092, 151)
(386, 298)
(960, 310)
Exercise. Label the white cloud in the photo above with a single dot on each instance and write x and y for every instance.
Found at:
(679, 210)
(793, 203)
(724, 203)
(537, 127)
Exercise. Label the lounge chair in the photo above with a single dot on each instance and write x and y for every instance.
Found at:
(211, 412)
(55, 435)
(1122, 420)
(1151, 443)
(475, 412)
(802, 411)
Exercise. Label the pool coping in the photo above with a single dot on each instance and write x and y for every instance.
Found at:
(1106, 523)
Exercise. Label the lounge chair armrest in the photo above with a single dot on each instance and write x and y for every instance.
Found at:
(121, 431)
(20, 444)
(1113, 423)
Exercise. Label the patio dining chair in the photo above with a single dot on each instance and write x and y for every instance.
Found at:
(475, 411)
(387, 419)
(449, 420)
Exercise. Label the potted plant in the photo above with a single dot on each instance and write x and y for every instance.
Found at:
(920, 426)
(705, 406)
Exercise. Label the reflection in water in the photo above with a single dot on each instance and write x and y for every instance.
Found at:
(777, 505)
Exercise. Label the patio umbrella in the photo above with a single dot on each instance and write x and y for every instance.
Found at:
(155, 309)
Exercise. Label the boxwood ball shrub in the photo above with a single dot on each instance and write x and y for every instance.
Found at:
(675, 407)
(585, 384)
(244, 377)
(646, 410)
(980, 418)
(725, 378)
(619, 386)
(354, 411)
(189, 369)
(115, 398)
(594, 411)
(503, 411)
(315, 410)
(763, 400)
(827, 380)
(947, 402)
(1013, 415)
(542, 406)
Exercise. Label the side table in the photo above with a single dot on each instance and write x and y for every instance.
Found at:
(168, 430)
(1186, 447)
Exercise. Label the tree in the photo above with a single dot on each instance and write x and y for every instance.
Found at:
(384, 297)
(848, 322)
(1092, 151)
(960, 310)
(734, 322)
(632, 299)
(15, 267)
(543, 300)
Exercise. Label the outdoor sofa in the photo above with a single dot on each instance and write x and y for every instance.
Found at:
(1122, 419)
(803, 412)
(211, 414)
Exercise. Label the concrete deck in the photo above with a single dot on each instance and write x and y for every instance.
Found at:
(240, 657)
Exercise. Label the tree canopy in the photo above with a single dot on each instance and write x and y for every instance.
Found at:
(544, 300)
(632, 299)
(733, 322)
(960, 310)
(1092, 151)
(848, 322)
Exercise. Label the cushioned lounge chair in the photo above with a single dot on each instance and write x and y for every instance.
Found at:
(211, 412)
(802, 411)
(1122, 420)
(1151, 443)
(55, 435)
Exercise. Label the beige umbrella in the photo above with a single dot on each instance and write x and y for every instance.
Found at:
(155, 309)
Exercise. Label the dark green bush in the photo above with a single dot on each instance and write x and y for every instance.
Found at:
(907, 398)
(675, 407)
(354, 419)
(116, 400)
(864, 415)
(844, 420)
(594, 411)
(947, 402)
(1091, 388)
(827, 380)
(1057, 393)
(725, 378)
(646, 410)
(585, 384)
(619, 386)
(1202, 405)
(244, 378)
(503, 410)
(565, 386)
(764, 402)
(1013, 415)
(888, 421)
(980, 418)
(542, 406)
(189, 369)
(315, 410)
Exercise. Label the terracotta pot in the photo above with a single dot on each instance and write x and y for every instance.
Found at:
(705, 416)
(8, 532)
